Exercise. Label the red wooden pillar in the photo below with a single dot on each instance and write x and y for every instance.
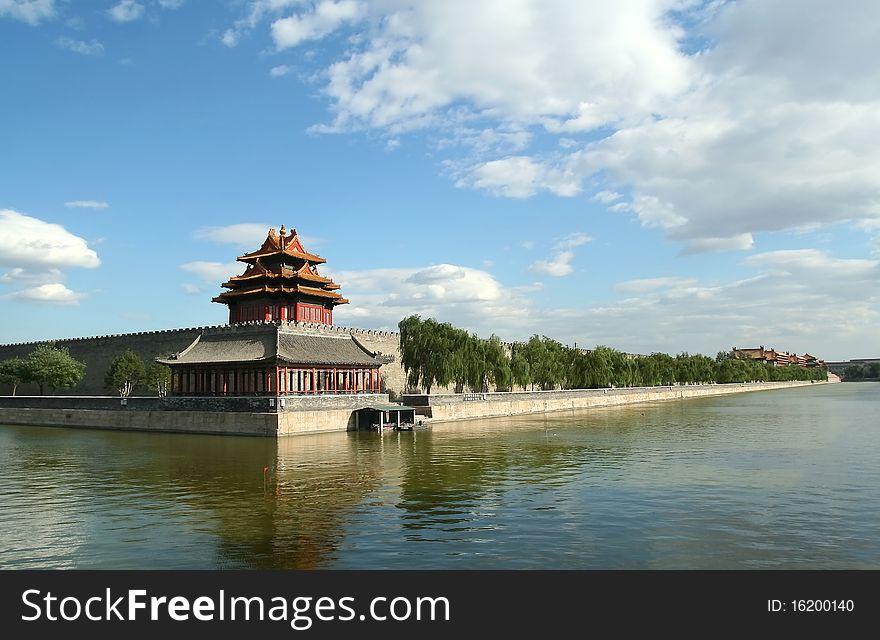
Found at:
(314, 380)
(283, 311)
(267, 313)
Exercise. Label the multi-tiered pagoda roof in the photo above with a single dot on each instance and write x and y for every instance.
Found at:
(281, 282)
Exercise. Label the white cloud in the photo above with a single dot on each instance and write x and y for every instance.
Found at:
(86, 204)
(280, 70)
(257, 10)
(560, 264)
(246, 234)
(29, 11)
(467, 297)
(804, 300)
(190, 289)
(645, 285)
(789, 301)
(214, 273)
(573, 240)
(126, 11)
(40, 276)
(31, 243)
(770, 127)
(230, 38)
(171, 4)
(566, 65)
(93, 48)
(324, 18)
(54, 293)
(519, 177)
(741, 242)
(607, 197)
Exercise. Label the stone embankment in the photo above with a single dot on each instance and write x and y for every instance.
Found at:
(272, 417)
(468, 406)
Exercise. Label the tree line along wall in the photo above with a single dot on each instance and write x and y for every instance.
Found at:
(98, 353)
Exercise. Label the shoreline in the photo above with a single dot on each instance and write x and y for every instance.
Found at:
(310, 416)
(441, 408)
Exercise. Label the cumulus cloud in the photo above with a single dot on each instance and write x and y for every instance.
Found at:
(558, 65)
(325, 17)
(86, 204)
(126, 11)
(465, 296)
(280, 70)
(31, 243)
(93, 48)
(767, 127)
(257, 11)
(560, 264)
(190, 289)
(644, 285)
(789, 299)
(38, 276)
(607, 197)
(55, 293)
(30, 11)
(214, 273)
(801, 300)
(519, 177)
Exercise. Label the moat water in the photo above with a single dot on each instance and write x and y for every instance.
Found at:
(783, 479)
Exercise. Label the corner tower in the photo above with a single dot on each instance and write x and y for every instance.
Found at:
(281, 283)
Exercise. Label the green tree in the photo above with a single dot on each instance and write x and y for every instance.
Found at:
(498, 364)
(519, 369)
(157, 377)
(53, 367)
(854, 372)
(125, 373)
(13, 372)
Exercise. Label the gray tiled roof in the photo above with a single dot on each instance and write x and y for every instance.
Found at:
(219, 347)
(266, 344)
(305, 349)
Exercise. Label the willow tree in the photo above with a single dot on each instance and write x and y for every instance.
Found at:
(497, 364)
(519, 368)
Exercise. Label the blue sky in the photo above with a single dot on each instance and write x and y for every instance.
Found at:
(654, 175)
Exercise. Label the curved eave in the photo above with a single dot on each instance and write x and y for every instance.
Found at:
(238, 280)
(331, 296)
(304, 255)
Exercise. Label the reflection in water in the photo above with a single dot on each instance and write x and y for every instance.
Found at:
(782, 479)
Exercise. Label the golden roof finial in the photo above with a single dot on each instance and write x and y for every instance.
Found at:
(282, 231)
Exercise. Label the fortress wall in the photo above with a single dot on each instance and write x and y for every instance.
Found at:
(98, 352)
